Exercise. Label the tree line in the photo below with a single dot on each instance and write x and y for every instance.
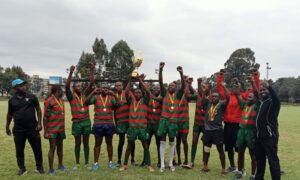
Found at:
(116, 64)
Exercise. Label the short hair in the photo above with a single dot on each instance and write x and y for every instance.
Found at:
(55, 89)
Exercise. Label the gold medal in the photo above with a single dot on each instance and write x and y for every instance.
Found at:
(104, 102)
(154, 110)
(172, 107)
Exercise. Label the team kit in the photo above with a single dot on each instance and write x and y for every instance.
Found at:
(228, 116)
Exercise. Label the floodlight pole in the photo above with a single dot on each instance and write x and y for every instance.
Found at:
(268, 68)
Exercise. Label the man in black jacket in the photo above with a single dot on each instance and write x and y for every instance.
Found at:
(24, 108)
(267, 133)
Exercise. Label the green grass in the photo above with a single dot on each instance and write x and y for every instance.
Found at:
(289, 147)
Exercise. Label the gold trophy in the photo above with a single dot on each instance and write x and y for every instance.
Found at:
(137, 60)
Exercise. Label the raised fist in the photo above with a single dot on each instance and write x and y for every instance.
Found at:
(179, 69)
(72, 68)
(161, 65)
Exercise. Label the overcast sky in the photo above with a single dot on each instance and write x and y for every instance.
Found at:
(45, 37)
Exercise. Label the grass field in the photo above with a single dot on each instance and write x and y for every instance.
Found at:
(289, 155)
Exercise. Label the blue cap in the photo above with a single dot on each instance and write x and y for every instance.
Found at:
(16, 82)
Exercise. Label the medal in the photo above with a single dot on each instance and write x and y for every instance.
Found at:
(154, 110)
(171, 97)
(80, 99)
(104, 102)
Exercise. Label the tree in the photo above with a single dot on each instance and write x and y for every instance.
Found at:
(83, 66)
(8, 75)
(101, 57)
(120, 61)
(240, 64)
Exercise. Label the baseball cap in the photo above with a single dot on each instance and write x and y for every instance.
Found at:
(16, 82)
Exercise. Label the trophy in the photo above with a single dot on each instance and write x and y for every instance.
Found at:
(137, 60)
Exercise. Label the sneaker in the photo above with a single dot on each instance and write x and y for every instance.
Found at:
(143, 164)
(158, 165)
(22, 172)
(252, 177)
(162, 169)
(186, 166)
(76, 167)
(238, 175)
(134, 163)
(40, 170)
(172, 168)
(51, 172)
(95, 167)
(192, 165)
(243, 172)
(150, 168)
(123, 168)
(232, 169)
(111, 165)
(205, 169)
(61, 168)
(223, 173)
(88, 167)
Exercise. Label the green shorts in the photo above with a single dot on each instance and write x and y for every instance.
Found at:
(81, 128)
(246, 138)
(165, 127)
(58, 135)
(183, 127)
(137, 133)
(198, 128)
(153, 128)
(122, 127)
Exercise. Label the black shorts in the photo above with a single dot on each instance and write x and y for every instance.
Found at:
(107, 130)
(230, 136)
(213, 137)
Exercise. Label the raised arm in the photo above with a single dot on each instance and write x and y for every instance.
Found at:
(220, 80)
(273, 95)
(180, 70)
(191, 89)
(68, 83)
(92, 79)
(94, 92)
(127, 88)
(144, 87)
(160, 77)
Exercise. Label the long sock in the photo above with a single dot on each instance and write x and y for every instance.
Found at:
(193, 154)
(133, 152)
(77, 153)
(86, 154)
(172, 151)
(162, 148)
(147, 157)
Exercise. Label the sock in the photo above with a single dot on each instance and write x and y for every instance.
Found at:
(193, 154)
(126, 162)
(162, 148)
(86, 154)
(147, 157)
(77, 153)
(172, 152)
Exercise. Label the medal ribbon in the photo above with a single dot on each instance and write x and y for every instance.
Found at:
(212, 112)
(104, 102)
(136, 105)
(80, 99)
(60, 103)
